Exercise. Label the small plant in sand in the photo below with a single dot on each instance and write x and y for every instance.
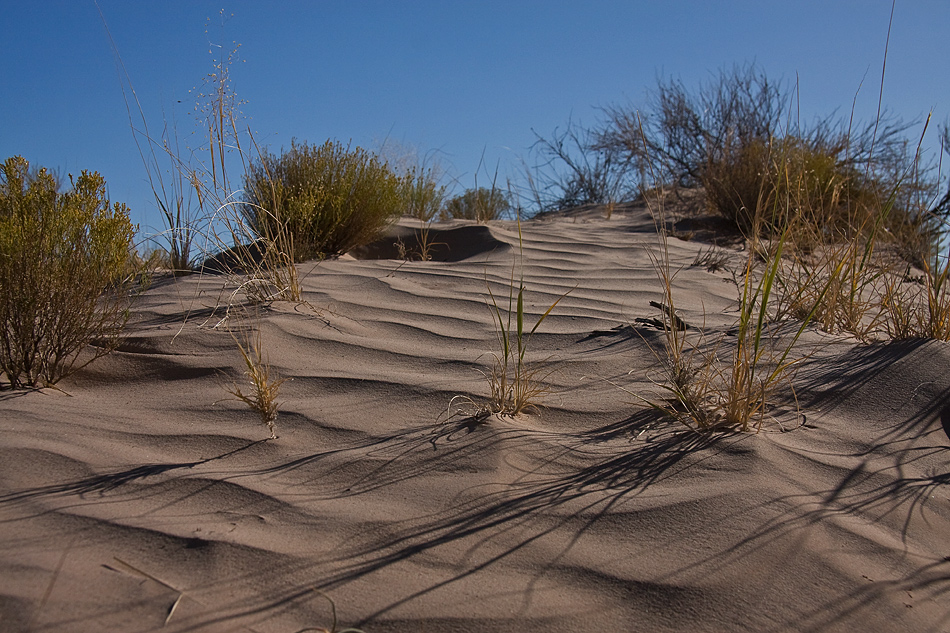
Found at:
(64, 260)
(265, 386)
(515, 384)
(708, 392)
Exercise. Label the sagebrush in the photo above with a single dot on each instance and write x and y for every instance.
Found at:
(480, 204)
(328, 198)
(63, 259)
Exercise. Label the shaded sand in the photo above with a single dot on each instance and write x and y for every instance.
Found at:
(145, 488)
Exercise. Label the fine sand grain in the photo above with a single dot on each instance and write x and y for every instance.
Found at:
(142, 489)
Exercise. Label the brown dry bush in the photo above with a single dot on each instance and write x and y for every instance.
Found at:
(825, 181)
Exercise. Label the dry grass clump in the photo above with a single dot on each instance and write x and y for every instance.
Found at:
(63, 263)
(918, 306)
(852, 277)
(706, 391)
(853, 203)
(733, 383)
(265, 387)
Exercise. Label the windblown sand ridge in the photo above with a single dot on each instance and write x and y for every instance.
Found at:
(144, 485)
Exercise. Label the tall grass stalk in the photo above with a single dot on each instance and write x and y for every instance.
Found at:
(197, 197)
(171, 190)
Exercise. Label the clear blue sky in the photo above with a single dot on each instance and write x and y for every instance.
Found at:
(457, 77)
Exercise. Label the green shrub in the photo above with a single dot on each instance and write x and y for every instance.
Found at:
(62, 260)
(328, 198)
(479, 204)
(422, 194)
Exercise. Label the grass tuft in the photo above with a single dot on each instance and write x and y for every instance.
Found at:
(515, 385)
(265, 387)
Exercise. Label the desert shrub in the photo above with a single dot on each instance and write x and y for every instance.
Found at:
(422, 193)
(62, 260)
(422, 172)
(328, 198)
(831, 177)
(570, 169)
(770, 185)
(479, 204)
(678, 131)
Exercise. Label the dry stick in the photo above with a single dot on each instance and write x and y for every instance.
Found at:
(332, 628)
(181, 594)
(49, 586)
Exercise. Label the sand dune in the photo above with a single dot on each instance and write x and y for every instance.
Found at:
(141, 484)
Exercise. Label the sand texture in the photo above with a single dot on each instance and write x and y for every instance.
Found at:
(142, 489)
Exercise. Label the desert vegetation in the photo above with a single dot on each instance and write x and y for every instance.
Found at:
(832, 226)
(330, 198)
(262, 395)
(833, 218)
(737, 139)
(65, 260)
(843, 223)
(481, 204)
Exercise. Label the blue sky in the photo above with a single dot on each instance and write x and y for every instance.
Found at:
(455, 78)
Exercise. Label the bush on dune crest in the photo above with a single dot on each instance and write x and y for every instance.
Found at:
(63, 256)
(834, 221)
(329, 198)
(480, 204)
(857, 205)
(736, 140)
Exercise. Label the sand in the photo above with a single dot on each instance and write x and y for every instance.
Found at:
(143, 497)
